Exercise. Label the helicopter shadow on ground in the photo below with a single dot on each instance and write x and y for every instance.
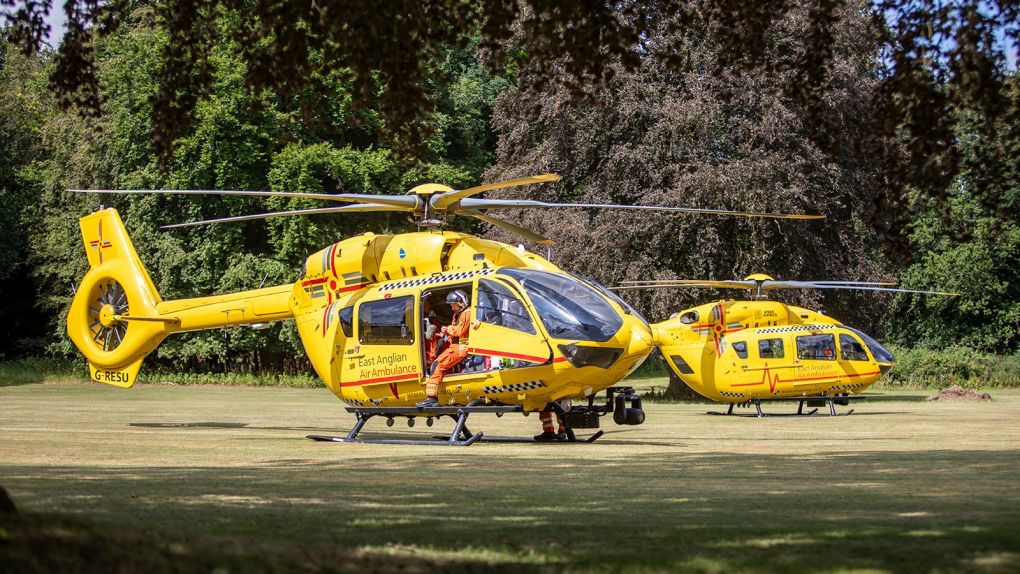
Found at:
(223, 425)
(863, 510)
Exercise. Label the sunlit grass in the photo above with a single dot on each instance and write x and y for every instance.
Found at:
(222, 477)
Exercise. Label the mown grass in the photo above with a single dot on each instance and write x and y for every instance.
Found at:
(206, 478)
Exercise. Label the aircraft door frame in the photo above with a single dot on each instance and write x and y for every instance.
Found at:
(383, 370)
(513, 347)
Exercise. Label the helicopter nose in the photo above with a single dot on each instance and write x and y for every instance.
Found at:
(641, 341)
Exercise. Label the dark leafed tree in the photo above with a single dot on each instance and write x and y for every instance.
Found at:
(670, 133)
(938, 58)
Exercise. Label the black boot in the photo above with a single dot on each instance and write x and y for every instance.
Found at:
(428, 402)
(546, 436)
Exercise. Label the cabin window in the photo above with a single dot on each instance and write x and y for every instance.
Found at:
(816, 347)
(497, 305)
(850, 349)
(347, 321)
(771, 349)
(387, 322)
(741, 348)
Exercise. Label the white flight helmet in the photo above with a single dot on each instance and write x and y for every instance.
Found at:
(457, 296)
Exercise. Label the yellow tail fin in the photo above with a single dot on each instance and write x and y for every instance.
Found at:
(117, 317)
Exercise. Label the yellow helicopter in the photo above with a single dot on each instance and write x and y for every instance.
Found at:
(753, 351)
(369, 310)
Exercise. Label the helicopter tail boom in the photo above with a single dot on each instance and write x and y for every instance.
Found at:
(117, 316)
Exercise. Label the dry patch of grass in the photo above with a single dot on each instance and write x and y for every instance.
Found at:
(904, 485)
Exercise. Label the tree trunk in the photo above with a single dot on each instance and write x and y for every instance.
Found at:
(679, 391)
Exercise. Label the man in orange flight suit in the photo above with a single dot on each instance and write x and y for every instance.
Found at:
(456, 352)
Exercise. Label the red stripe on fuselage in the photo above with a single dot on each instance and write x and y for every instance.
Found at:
(397, 378)
(508, 355)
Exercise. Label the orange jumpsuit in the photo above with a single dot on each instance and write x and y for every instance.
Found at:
(453, 354)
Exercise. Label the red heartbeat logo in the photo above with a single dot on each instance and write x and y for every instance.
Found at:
(101, 243)
(765, 378)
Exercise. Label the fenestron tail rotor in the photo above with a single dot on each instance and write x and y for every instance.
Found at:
(432, 204)
(761, 284)
(107, 302)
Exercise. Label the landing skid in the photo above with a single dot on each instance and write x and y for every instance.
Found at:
(801, 401)
(571, 439)
(459, 436)
(622, 402)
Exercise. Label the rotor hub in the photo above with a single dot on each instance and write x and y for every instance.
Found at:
(107, 315)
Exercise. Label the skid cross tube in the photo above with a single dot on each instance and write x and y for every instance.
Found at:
(801, 401)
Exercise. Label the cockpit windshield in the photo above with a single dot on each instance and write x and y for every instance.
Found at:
(627, 307)
(881, 354)
(568, 308)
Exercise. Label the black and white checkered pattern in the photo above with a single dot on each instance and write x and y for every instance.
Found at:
(792, 328)
(732, 395)
(434, 279)
(514, 388)
(848, 387)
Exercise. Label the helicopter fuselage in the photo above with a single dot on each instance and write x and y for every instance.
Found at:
(733, 351)
(370, 310)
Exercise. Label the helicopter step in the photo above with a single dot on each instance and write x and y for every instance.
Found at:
(812, 401)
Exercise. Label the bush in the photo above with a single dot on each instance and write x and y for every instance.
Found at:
(924, 368)
(54, 370)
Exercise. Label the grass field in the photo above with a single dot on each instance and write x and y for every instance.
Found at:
(221, 479)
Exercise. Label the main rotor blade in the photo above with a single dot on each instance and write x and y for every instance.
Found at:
(695, 284)
(447, 199)
(525, 203)
(393, 200)
(317, 211)
(770, 285)
(867, 288)
(690, 283)
(778, 284)
(509, 227)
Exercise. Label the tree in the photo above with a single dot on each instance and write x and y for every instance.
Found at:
(238, 140)
(966, 248)
(929, 47)
(663, 136)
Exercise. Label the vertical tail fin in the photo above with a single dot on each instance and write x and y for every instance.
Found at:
(113, 318)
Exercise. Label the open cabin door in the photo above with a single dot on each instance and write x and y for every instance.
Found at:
(504, 328)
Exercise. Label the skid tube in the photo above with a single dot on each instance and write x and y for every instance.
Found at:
(622, 402)
(812, 401)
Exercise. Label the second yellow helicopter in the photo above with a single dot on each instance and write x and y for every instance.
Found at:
(750, 351)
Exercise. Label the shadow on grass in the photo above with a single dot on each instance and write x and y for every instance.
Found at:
(951, 511)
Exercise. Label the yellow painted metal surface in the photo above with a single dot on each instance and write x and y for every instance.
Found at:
(338, 287)
(733, 351)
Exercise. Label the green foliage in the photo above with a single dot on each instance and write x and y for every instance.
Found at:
(239, 140)
(954, 365)
(962, 246)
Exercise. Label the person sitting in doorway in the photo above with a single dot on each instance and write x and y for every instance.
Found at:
(457, 350)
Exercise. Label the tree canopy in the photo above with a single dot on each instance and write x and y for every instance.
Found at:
(897, 120)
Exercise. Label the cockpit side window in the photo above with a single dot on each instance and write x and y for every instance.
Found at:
(497, 305)
(568, 308)
(816, 347)
(881, 354)
(850, 349)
